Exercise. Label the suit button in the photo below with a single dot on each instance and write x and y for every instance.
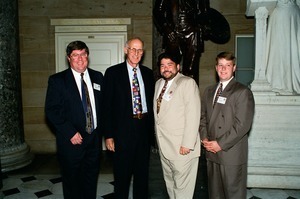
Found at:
(220, 127)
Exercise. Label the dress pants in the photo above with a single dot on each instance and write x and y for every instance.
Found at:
(227, 181)
(131, 162)
(80, 168)
(180, 177)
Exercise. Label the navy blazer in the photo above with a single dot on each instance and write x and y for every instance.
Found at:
(64, 108)
(118, 122)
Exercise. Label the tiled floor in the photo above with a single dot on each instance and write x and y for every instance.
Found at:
(41, 179)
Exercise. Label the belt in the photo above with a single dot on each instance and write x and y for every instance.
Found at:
(139, 116)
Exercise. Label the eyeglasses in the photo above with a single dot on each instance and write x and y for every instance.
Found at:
(76, 56)
(134, 50)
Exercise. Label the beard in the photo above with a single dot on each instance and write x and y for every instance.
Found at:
(168, 75)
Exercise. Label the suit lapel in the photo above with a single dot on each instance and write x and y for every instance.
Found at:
(72, 88)
(93, 81)
(226, 94)
(228, 89)
(124, 77)
(210, 98)
(170, 92)
(156, 93)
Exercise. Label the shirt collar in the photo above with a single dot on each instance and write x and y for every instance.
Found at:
(225, 83)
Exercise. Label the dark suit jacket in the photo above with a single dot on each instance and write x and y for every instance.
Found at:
(118, 122)
(64, 108)
(228, 123)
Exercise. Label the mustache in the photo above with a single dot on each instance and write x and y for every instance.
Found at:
(167, 71)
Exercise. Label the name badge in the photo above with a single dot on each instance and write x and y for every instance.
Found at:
(168, 96)
(221, 100)
(97, 87)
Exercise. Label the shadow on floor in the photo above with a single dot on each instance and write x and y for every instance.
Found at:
(47, 164)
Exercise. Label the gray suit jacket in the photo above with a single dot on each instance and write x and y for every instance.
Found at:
(178, 121)
(228, 123)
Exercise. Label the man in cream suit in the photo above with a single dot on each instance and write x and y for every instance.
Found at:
(177, 120)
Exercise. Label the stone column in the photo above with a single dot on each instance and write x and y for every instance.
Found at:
(260, 82)
(14, 152)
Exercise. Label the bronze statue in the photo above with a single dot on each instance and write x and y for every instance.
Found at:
(184, 25)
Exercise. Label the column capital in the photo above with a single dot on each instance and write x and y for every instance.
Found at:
(253, 5)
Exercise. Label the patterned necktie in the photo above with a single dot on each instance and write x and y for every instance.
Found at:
(219, 91)
(137, 102)
(159, 99)
(86, 103)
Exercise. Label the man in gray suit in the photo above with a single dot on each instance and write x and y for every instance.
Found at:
(226, 117)
(177, 120)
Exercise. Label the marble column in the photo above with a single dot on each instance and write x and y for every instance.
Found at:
(14, 152)
(260, 82)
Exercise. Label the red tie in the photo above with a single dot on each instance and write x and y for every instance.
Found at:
(219, 91)
(159, 99)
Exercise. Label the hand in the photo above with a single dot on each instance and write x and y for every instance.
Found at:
(204, 141)
(172, 36)
(76, 139)
(110, 144)
(211, 146)
(184, 151)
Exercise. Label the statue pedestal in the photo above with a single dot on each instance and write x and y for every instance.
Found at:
(15, 157)
(274, 148)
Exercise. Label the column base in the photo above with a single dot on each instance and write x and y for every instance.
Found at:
(15, 158)
(274, 150)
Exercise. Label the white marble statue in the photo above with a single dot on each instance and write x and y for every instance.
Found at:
(283, 48)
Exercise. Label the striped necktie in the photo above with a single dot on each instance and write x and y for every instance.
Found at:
(86, 103)
(159, 99)
(219, 91)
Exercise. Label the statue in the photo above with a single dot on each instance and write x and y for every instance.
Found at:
(283, 48)
(185, 25)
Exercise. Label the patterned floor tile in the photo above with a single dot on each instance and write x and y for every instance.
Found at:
(269, 193)
(12, 191)
(35, 183)
(43, 193)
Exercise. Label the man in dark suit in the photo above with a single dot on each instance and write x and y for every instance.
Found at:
(226, 118)
(128, 131)
(76, 129)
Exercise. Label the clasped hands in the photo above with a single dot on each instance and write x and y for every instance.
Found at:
(211, 146)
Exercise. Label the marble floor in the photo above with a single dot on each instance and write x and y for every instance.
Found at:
(41, 179)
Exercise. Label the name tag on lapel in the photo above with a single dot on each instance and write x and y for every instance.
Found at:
(168, 96)
(96, 86)
(221, 100)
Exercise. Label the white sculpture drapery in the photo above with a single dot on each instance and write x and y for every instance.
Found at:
(283, 48)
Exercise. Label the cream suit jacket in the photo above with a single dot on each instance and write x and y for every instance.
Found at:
(178, 121)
